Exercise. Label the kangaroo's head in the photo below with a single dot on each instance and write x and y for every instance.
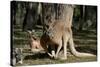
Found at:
(31, 35)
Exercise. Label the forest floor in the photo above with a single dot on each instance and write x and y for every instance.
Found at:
(85, 41)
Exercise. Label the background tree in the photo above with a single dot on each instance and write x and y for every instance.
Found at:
(85, 17)
(26, 14)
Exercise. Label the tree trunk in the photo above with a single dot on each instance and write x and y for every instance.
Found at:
(31, 16)
(82, 17)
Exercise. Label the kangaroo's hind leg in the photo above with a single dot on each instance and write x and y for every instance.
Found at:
(64, 42)
(58, 49)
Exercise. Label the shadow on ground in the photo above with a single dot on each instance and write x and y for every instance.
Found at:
(37, 56)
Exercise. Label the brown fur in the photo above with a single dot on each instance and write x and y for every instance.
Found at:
(34, 43)
(60, 35)
(58, 30)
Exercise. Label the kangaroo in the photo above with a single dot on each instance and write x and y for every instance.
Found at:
(34, 42)
(59, 35)
(58, 30)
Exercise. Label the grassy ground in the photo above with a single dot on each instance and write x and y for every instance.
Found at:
(46, 60)
(85, 41)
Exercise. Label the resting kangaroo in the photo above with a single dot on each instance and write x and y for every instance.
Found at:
(59, 31)
(34, 42)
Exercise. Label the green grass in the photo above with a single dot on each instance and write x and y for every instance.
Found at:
(71, 59)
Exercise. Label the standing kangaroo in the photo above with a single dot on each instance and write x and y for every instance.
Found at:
(58, 30)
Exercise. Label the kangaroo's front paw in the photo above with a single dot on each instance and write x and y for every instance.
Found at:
(53, 53)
